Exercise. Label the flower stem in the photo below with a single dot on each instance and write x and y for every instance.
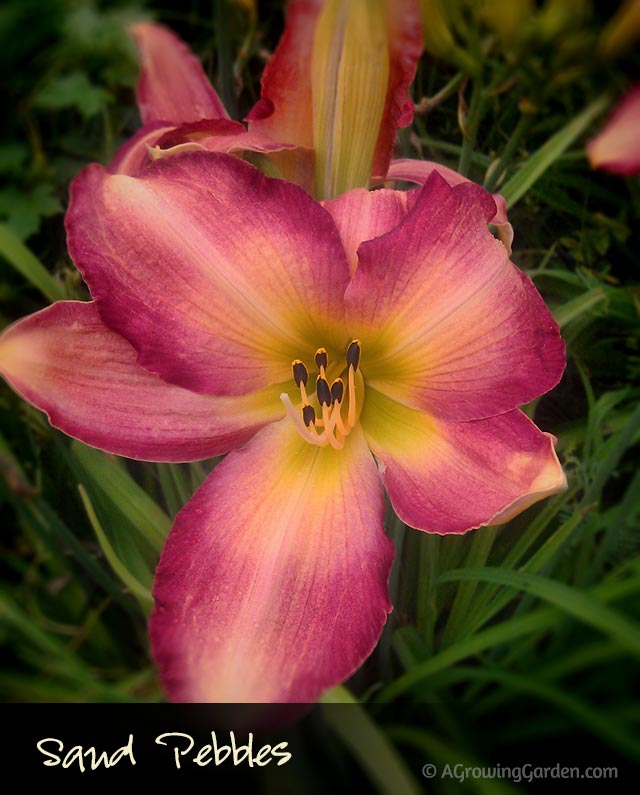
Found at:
(493, 177)
(429, 103)
(225, 59)
(476, 112)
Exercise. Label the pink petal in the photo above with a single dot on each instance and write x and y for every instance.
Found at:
(133, 156)
(405, 49)
(218, 276)
(616, 148)
(362, 215)
(220, 135)
(284, 110)
(272, 585)
(67, 363)
(501, 222)
(159, 139)
(419, 171)
(449, 477)
(173, 85)
(447, 323)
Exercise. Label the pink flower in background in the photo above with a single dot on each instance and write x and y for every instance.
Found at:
(334, 94)
(327, 145)
(379, 340)
(172, 84)
(616, 148)
(180, 109)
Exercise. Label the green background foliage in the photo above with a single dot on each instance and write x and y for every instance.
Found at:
(520, 637)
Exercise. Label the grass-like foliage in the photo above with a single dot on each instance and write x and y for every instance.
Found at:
(515, 637)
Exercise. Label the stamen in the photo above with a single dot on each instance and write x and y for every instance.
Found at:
(338, 423)
(325, 426)
(323, 392)
(353, 354)
(296, 417)
(301, 377)
(329, 416)
(351, 413)
(326, 419)
(337, 395)
(308, 415)
(300, 373)
(322, 360)
(337, 391)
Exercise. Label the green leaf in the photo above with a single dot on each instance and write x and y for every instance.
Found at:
(175, 483)
(35, 512)
(477, 555)
(446, 754)
(21, 258)
(58, 660)
(110, 477)
(47, 524)
(142, 594)
(73, 91)
(579, 306)
(579, 604)
(485, 606)
(507, 632)
(586, 656)
(598, 722)
(13, 157)
(368, 743)
(612, 453)
(23, 212)
(541, 619)
(547, 155)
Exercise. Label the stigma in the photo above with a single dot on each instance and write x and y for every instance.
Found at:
(335, 414)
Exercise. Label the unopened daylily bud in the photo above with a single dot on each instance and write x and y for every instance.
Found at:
(438, 39)
(558, 16)
(349, 78)
(622, 30)
(506, 17)
(439, 32)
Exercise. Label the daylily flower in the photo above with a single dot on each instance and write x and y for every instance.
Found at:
(180, 109)
(325, 98)
(381, 339)
(616, 148)
(333, 95)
